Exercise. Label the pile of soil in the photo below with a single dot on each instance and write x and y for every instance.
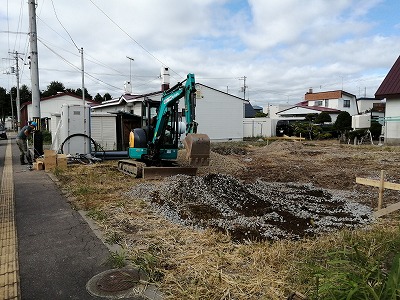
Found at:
(255, 210)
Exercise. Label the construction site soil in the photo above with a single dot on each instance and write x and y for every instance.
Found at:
(280, 190)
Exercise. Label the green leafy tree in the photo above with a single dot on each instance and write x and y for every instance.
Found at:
(376, 130)
(311, 117)
(343, 124)
(98, 98)
(25, 94)
(87, 95)
(306, 130)
(260, 114)
(106, 97)
(4, 104)
(53, 88)
(323, 117)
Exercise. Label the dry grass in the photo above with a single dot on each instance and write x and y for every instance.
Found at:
(192, 264)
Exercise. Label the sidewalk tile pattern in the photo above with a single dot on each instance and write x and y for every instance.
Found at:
(9, 278)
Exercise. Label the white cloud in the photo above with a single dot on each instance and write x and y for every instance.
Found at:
(282, 47)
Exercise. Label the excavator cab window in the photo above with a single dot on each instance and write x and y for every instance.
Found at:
(170, 136)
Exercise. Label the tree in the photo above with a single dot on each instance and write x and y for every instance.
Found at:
(25, 94)
(98, 98)
(311, 117)
(4, 103)
(323, 117)
(343, 124)
(260, 114)
(343, 121)
(87, 95)
(53, 88)
(107, 96)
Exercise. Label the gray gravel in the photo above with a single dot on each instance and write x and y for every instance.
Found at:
(253, 211)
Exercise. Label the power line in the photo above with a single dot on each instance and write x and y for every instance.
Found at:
(55, 13)
(137, 43)
(75, 67)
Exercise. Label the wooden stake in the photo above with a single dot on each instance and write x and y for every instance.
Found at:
(381, 189)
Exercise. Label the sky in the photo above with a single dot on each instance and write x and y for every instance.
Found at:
(278, 49)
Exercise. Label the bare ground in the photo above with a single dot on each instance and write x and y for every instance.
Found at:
(198, 231)
(284, 190)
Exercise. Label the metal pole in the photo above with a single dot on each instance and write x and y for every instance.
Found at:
(83, 99)
(18, 99)
(34, 63)
(130, 69)
(12, 111)
(83, 77)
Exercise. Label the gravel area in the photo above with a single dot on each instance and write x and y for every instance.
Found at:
(255, 210)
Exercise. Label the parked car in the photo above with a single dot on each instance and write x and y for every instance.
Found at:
(3, 132)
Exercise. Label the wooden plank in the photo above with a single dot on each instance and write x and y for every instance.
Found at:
(387, 210)
(377, 183)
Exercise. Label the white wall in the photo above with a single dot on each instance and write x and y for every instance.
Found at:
(392, 128)
(364, 105)
(103, 130)
(219, 115)
(53, 106)
(259, 127)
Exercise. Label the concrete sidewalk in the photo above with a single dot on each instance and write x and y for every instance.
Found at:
(56, 251)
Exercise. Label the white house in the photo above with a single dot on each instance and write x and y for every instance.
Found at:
(338, 100)
(390, 89)
(365, 104)
(300, 111)
(50, 106)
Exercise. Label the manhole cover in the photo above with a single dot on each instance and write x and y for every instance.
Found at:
(127, 283)
(118, 280)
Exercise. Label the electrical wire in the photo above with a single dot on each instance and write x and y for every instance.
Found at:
(136, 42)
(55, 13)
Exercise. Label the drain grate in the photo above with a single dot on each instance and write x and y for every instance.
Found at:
(117, 281)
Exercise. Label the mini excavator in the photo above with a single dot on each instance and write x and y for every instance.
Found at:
(153, 149)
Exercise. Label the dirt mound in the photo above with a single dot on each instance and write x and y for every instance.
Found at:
(218, 164)
(252, 211)
(281, 146)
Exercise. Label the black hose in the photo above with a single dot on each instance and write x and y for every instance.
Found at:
(79, 134)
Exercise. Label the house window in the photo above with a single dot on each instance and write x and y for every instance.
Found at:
(318, 103)
(346, 103)
(326, 102)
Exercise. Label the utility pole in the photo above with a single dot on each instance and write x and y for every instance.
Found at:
(15, 70)
(18, 99)
(83, 99)
(83, 76)
(34, 63)
(244, 87)
(12, 111)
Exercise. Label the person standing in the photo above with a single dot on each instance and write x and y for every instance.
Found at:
(21, 139)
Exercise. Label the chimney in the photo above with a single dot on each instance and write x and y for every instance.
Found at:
(310, 91)
(128, 87)
(164, 78)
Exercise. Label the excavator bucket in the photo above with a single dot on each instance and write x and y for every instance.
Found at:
(197, 149)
